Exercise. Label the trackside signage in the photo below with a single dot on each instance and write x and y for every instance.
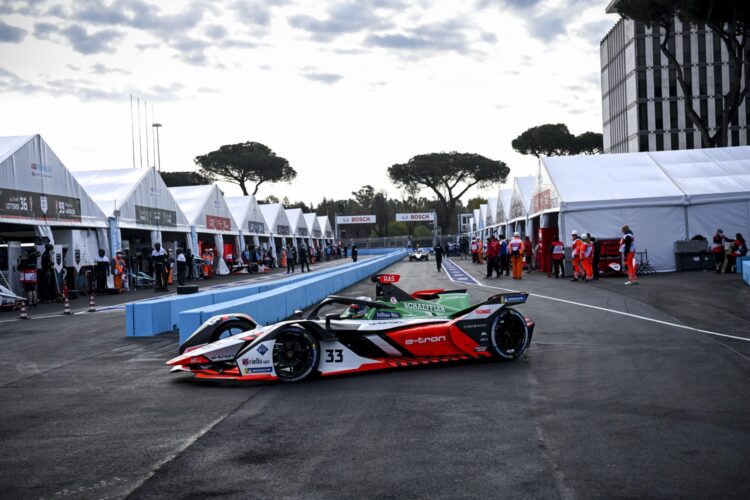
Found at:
(355, 219)
(415, 217)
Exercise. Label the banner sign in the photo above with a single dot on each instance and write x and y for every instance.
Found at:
(256, 227)
(155, 216)
(218, 223)
(355, 219)
(301, 231)
(282, 230)
(28, 205)
(415, 217)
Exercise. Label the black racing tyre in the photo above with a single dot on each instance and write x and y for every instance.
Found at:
(296, 354)
(509, 334)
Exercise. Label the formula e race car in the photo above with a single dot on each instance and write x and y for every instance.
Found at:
(418, 255)
(396, 329)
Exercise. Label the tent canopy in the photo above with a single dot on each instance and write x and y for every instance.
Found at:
(325, 227)
(313, 225)
(492, 210)
(297, 222)
(247, 214)
(276, 220)
(139, 195)
(484, 213)
(520, 200)
(36, 188)
(205, 208)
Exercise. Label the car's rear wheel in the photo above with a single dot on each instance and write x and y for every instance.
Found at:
(509, 334)
(296, 354)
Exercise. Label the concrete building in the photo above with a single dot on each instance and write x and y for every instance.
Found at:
(643, 108)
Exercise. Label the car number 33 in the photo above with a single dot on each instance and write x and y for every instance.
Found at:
(334, 356)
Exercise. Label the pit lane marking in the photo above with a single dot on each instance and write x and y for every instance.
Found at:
(614, 311)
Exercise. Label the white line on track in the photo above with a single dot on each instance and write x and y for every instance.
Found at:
(614, 311)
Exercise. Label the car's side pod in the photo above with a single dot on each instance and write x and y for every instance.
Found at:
(501, 298)
(212, 328)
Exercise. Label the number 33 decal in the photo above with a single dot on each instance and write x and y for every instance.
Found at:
(334, 355)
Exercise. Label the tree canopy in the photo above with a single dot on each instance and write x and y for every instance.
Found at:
(449, 176)
(556, 140)
(730, 20)
(245, 162)
(187, 178)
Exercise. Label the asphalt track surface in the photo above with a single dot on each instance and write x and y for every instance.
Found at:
(604, 404)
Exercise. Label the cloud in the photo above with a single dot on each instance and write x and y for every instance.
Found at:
(101, 69)
(432, 38)
(79, 37)
(320, 77)
(344, 18)
(257, 13)
(85, 90)
(216, 31)
(11, 34)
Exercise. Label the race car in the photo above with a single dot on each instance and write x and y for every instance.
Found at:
(418, 255)
(396, 329)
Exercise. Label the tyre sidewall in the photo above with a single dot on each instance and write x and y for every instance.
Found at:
(493, 335)
(313, 366)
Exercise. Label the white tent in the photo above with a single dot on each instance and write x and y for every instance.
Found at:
(520, 204)
(277, 223)
(39, 197)
(134, 199)
(664, 197)
(325, 227)
(504, 199)
(492, 213)
(248, 217)
(298, 225)
(37, 189)
(208, 213)
(484, 214)
(314, 227)
(716, 183)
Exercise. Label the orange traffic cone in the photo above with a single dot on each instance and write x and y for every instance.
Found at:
(24, 312)
(92, 304)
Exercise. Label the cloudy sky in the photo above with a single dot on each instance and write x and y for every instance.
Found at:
(342, 89)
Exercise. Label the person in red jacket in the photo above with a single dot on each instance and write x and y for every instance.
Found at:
(719, 251)
(557, 254)
(493, 257)
(586, 253)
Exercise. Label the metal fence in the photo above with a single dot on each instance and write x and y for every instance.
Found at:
(398, 241)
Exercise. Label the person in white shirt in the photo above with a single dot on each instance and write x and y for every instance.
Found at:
(159, 258)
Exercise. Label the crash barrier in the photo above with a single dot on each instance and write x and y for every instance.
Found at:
(270, 306)
(375, 251)
(741, 263)
(157, 316)
(746, 270)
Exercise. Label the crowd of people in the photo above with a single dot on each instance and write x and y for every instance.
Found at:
(726, 251)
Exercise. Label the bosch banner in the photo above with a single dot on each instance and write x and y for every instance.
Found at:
(355, 219)
(423, 217)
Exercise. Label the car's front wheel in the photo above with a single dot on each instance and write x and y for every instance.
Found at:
(509, 334)
(296, 354)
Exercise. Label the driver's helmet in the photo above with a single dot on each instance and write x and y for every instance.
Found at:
(356, 311)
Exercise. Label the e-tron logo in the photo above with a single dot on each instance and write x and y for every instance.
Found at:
(425, 340)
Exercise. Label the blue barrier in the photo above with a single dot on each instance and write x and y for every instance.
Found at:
(377, 251)
(741, 263)
(153, 317)
(746, 272)
(274, 305)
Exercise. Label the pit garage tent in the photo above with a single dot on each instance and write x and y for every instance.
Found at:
(486, 219)
(314, 227)
(208, 214)
(39, 197)
(298, 225)
(520, 205)
(664, 197)
(716, 183)
(478, 223)
(325, 228)
(249, 218)
(492, 214)
(278, 226)
(135, 201)
(504, 197)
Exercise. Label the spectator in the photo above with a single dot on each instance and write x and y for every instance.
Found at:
(737, 251)
(719, 250)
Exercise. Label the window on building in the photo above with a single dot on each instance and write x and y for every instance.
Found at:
(689, 139)
(657, 83)
(642, 116)
(702, 81)
(659, 142)
(640, 51)
(659, 115)
(673, 83)
(717, 80)
(717, 48)
(675, 141)
(673, 123)
(641, 84)
(702, 47)
(704, 108)
(643, 142)
(735, 138)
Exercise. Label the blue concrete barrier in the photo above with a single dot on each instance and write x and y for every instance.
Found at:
(274, 305)
(741, 263)
(377, 251)
(746, 273)
(153, 317)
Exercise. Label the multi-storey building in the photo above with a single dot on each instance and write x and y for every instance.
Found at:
(643, 108)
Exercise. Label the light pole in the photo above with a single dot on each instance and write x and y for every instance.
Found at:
(157, 126)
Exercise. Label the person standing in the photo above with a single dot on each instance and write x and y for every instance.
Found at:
(528, 252)
(587, 256)
(493, 256)
(101, 270)
(182, 268)
(575, 253)
(27, 268)
(355, 253)
(304, 258)
(47, 282)
(597, 255)
(719, 250)
(557, 255)
(291, 256)
(474, 250)
(439, 256)
(189, 261)
(158, 258)
(627, 249)
(517, 252)
(503, 257)
(120, 272)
